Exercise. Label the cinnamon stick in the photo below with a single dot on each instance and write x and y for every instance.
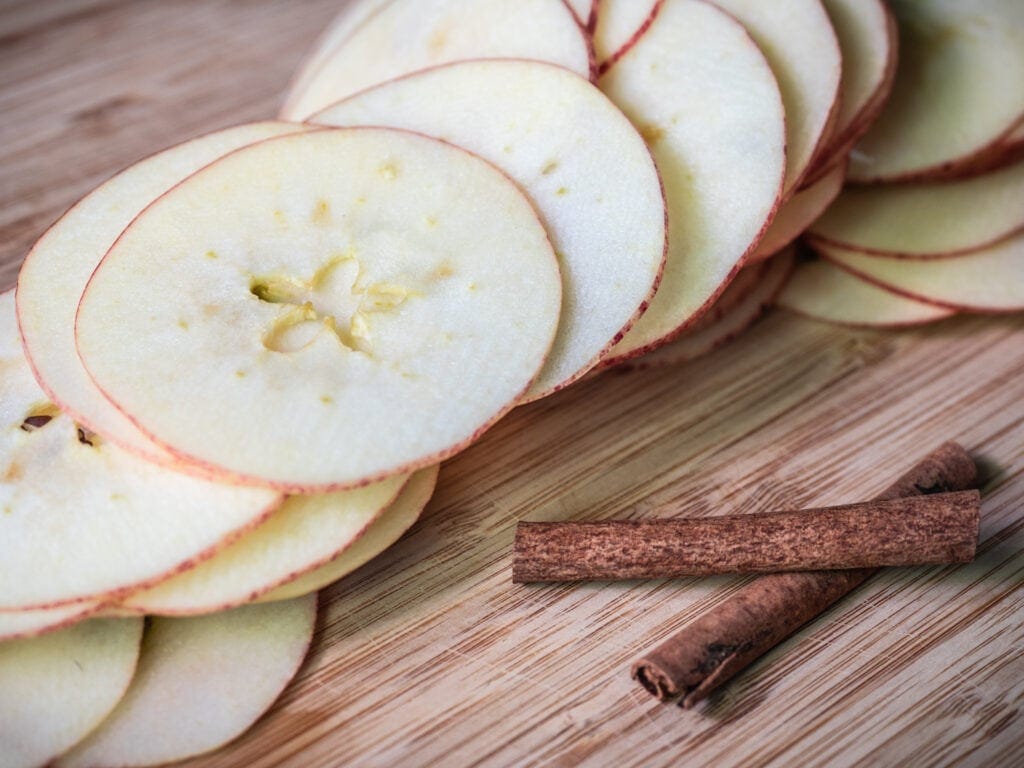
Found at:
(714, 648)
(910, 531)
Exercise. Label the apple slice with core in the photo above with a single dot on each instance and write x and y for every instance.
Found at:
(201, 682)
(81, 519)
(325, 310)
(582, 163)
(19, 624)
(381, 534)
(305, 533)
(799, 212)
(743, 302)
(722, 173)
(959, 89)
(866, 31)
(409, 35)
(987, 280)
(55, 689)
(797, 38)
(822, 291)
(924, 220)
(57, 268)
(620, 23)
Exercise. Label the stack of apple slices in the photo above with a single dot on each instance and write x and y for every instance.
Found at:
(931, 224)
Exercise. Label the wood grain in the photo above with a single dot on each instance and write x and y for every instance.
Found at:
(429, 655)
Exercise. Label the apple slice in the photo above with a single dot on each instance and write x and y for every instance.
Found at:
(705, 98)
(19, 624)
(353, 15)
(743, 302)
(409, 35)
(325, 310)
(55, 689)
(866, 30)
(799, 212)
(382, 533)
(620, 23)
(925, 220)
(987, 280)
(305, 533)
(822, 291)
(959, 89)
(82, 519)
(201, 682)
(57, 268)
(801, 46)
(581, 162)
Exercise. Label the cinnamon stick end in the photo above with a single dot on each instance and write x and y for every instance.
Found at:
(654, 680)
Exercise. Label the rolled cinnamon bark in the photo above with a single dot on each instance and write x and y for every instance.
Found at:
(917, 530)
(716, 646)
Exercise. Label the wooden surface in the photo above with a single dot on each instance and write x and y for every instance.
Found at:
(429, 655)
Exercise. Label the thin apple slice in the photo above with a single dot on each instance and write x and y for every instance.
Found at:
(705, 98)
(581, 162)
(987, 280)
(326, 309)
(866, 30)
(924, 220)
(409, 35)
(305, 533)
(55, 689)
(797, 38)
(201, 682)
(19, 624)
(822, 291)
(620, 23)
(382, 533)
(81, 518)
(959, 88)
(353, 15)
(57, 268)
(799, 212)
(744, 301)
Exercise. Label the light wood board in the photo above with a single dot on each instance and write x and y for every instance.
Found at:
(429, 655)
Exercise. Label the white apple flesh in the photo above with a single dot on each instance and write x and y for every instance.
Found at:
(201, 682)
(583, 165)
(325, 310)
(59, 265)
(926, 219)
(988, 280)
(29, 623)
(797, 38)
(409, 35)
(722, 173)
(381, 534)
(959, 89)
(79, 517)
(56, 689)
(822, 291)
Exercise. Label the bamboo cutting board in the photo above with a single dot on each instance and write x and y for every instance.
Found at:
(429, 655)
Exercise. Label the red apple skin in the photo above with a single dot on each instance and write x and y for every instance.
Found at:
(603, 66)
